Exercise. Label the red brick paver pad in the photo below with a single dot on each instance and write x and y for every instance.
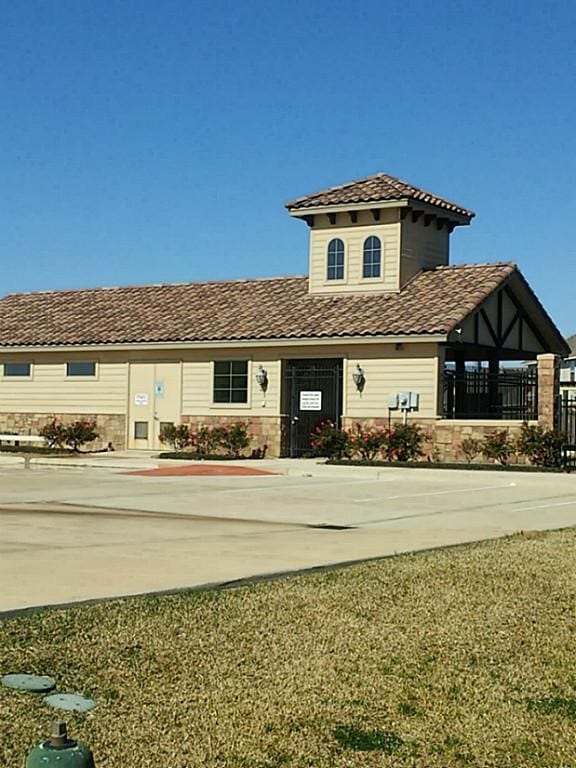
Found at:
(200, 469)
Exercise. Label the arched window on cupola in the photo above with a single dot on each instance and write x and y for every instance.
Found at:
(372, 262)
(335, 264)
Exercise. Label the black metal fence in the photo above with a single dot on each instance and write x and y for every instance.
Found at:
(512, 393)
(566, 415)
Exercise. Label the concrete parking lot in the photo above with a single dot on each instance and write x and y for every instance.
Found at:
(86, 532)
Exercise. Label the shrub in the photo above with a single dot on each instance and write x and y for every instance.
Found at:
(79, 432)
(54, 433)
(177, 436)
(543, 447)
(367, 442)
(470, 447)
(330, 441)
(205, 440)
(233, 438)
(404, 443)
(498, 446)
(72, 435)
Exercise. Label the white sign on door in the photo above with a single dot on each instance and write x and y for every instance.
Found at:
(141, 398)
(310, 401)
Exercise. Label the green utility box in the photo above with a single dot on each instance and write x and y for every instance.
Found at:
(60, 751)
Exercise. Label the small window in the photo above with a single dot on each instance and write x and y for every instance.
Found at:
(231, 381)
(81, 368)
(335, 269)
(17, 369)
(372, 257)
(141, 430)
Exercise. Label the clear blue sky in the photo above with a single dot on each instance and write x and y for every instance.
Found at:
(157, 141)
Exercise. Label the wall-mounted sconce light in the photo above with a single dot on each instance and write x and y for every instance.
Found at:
(262, 378)
(359, 378)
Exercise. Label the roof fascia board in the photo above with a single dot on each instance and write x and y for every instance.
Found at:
(344, 207)
(402, 203)
(244, 344)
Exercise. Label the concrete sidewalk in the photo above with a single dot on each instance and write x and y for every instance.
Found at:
(134, 460)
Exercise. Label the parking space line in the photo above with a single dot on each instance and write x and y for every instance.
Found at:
(546, 506)
(309, 484)
(434, 493)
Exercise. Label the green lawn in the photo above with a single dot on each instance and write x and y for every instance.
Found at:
(459, 657)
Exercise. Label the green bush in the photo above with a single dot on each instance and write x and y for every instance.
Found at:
(404, 443)
(54, 433)
(177, 436)
(73, 435)
(498, 446)
(330, 441)
(80, 432)
(233, 438)
(470, 447)
(204, 440)
(229, 439)
(367, 442)
(543, 447)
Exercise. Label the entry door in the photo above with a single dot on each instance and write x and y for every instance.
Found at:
(313, 394)
(155, 400)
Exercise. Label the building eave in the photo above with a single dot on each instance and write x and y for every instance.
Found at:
(228, 344)
(446, 213)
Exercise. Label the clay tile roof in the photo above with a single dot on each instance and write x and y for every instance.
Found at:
(374, 189)
(435, 301)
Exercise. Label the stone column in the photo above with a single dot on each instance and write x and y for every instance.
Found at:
(548, 388)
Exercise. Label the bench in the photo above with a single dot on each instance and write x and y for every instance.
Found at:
(17, 439)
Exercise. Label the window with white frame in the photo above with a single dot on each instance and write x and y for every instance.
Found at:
(372, 260)
(335, 263)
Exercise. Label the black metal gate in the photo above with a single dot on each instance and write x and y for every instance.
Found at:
(566, 415)
(312, 393)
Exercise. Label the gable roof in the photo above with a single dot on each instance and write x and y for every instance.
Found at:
(434, 302)
(571, 341)
(379, 187)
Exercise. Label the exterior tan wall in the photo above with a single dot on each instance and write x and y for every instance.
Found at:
(353, 236)
(422, 247)
(48, 389)
(407, 248)
(388, 369)
(27, 404)
(412, 368)
(197, 378)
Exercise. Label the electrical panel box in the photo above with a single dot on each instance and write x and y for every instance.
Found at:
(392, 402)
(408, 401)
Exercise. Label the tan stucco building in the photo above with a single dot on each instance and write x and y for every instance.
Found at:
(382, 314)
